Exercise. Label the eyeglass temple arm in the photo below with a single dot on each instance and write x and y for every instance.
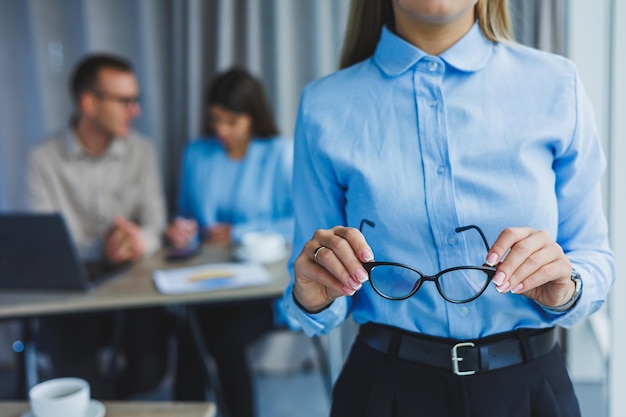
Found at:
(472, 226)
(367, 222)
(458, 230)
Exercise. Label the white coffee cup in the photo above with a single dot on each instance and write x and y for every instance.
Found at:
(60, 397)
(262, 247)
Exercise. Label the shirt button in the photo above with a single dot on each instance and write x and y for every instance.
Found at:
(451, 240)
(432, 66)
(432, 103)
(463, 311)
(441, 170)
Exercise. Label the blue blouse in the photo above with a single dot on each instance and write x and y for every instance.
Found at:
(252, 194)
(490, 134)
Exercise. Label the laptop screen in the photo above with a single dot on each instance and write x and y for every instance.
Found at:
(37, 252)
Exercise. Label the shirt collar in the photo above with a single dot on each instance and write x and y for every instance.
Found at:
(394, 55)
(75, 150)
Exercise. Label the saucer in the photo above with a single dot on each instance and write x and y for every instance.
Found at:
(94, 409)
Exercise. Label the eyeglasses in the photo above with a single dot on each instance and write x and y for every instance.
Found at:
(126, 101)
(460, 284)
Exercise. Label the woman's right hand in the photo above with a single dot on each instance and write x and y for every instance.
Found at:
(329, 266)
(181, 232)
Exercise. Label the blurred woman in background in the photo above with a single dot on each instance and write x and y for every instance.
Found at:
(235, 181)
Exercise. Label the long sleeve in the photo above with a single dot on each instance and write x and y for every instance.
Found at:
(152, 204)
(40, 197)
(583, 230)
(278, 171)
(91, 192)
(318, 200)
(252, 194)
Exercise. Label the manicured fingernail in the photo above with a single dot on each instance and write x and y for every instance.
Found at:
(347, 290)
(517, 288)
(354, 284)
(498, 278)
(492, 258)
(502, 288)
(367, 255)
(361, 275)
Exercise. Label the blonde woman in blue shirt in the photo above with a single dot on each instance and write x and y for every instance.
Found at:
(445, 131)
(235, 181)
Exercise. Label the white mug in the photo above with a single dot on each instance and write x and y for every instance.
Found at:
(262, 247)
(60, 397)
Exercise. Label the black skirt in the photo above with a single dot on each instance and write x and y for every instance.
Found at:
(376, 384)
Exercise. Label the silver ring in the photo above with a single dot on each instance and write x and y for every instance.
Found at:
(318, 251)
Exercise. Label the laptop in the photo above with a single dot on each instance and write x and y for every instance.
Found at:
(37, 253)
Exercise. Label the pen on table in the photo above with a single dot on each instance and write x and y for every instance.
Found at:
(211, 274)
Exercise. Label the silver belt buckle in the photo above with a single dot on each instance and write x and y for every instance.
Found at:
(456, 358)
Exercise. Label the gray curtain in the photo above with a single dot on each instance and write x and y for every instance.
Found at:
(540, 23)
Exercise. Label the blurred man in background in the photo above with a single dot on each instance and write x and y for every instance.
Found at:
(104, 179)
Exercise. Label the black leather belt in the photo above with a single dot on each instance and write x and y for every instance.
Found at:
(460, 357)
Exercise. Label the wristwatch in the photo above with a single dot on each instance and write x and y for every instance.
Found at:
(578, 282)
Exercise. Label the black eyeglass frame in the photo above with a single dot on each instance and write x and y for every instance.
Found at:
(123, 100)
(489, 270)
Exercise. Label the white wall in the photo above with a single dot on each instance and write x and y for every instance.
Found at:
(617, 372)
(597, 43)
(588, 45)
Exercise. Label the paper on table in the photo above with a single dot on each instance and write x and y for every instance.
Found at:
(208, 277)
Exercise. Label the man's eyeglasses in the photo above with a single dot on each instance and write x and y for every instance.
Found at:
(460, 284)
(126, 101)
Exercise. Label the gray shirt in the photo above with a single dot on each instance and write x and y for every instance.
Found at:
(90, 192)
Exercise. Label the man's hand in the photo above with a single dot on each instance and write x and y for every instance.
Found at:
(125, 242)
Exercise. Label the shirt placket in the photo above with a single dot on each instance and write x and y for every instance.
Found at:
(438, 180)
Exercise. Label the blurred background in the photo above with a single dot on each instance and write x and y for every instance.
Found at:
(177, 46)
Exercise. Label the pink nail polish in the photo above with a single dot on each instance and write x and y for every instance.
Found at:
(492, 259)
(517, 288)
(498, 278)
(361, 275)
(348, 290)
(503, 288)
(354, 283)
(367, 255)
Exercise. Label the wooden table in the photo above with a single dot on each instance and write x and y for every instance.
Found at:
(135, 288)
(131, 409)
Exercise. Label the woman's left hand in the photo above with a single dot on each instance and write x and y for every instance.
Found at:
(535, 266)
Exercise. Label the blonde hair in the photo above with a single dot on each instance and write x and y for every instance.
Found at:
(367, 18)
(494, 20)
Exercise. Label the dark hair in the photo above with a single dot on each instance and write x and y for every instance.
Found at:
(367, 18)
(87, 71)
(238, 91)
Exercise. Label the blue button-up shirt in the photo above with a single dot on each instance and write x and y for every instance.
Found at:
(253, 194)
(491, 134)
